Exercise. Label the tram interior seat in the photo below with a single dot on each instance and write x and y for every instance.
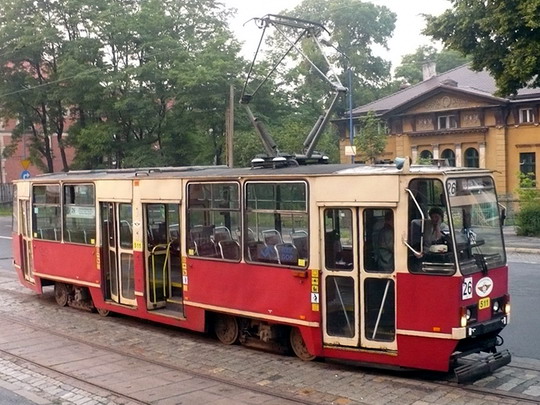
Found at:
(229, 249)
(77, 236)
(300, 241)
(201, 240)
(415, 233)
(266, 253)
(271, 237)
(49, 233)
(286, 253)
(221, 233)
(335, 257)
(126, 233)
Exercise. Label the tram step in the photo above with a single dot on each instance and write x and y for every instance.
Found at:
(481, 367)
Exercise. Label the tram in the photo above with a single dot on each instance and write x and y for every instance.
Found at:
(333, 261)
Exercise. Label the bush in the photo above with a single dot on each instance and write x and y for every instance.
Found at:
(528, 220)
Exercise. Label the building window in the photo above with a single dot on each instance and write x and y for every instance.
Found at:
(426, 155)
(527, 166)
(526, 115)
(447, 121)
(471, 158)
(450, 157)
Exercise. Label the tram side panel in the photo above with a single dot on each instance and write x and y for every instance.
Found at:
(68, 262)
(275, 294)
(428, 308)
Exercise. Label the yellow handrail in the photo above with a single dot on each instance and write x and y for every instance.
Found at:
(167, 248)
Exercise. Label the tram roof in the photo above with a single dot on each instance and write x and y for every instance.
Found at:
(226, 172)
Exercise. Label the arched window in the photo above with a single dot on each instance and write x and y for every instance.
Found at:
(450, 156)
(426, 155)
(471, 158)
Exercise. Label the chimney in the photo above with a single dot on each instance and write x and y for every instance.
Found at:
(429, 70)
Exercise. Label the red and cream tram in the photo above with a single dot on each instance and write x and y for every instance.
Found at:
(336, 261)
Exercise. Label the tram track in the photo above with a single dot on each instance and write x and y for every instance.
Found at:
(295, 396)
(238, 384)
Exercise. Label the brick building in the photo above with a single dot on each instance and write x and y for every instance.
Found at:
(12, 168)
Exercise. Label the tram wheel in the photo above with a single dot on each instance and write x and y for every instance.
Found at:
(226, 329)
(61, 294)
(103, 312)
(299, 346)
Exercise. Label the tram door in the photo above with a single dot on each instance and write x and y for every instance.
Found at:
(27, 262)
(358, 277)
(117, 244)
(162, 251)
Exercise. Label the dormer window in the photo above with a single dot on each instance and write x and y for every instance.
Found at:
(447, 121)
(526, 115)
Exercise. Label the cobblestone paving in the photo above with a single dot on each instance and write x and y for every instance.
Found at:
(318, 382)
(43, 388)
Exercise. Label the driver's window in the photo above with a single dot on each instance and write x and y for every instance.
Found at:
(429, 238)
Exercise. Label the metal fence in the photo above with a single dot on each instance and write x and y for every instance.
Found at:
(6, 193)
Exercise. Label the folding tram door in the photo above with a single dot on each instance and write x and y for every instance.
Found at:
(27, 263)
(117, 252)
(162, 254)
(358, 288)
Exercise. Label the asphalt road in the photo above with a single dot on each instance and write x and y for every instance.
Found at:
(520, 337)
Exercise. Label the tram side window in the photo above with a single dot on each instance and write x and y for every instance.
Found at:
(214, 220)
(429, 239)
(79, 214)
(46, 212)
(276, 223)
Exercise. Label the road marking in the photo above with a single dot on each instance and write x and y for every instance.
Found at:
(6, 237)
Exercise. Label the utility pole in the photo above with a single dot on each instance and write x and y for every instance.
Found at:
(229, 128)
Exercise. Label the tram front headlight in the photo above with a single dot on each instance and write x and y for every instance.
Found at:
(465, 316)
(496, 306)
(468, 315)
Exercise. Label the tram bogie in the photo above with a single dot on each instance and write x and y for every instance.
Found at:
(379, 265)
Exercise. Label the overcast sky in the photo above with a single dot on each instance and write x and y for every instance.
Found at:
(406, 37)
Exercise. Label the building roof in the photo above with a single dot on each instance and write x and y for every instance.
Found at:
(465, 79)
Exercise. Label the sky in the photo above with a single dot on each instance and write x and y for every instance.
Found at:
(405, 40)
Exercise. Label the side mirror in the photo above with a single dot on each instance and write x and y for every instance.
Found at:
(502, 213)
(503, 216)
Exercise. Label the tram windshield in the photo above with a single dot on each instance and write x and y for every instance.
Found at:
(475, 217)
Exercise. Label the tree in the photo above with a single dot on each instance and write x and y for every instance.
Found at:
(138, 81)
(371, 141)
(410, 68)
(501, 35)
(356, 28)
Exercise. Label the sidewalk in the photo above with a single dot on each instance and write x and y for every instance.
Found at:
(520, 244)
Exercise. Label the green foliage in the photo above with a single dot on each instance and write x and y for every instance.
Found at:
(371, 141)
(528, 217)
(141, 82)
(528, 220)
(501, 35)
(356, 28)
(527, 191)
(410, 69)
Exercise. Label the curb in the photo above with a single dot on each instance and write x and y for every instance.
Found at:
(523, 250)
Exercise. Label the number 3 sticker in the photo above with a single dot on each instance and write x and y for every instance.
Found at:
(466, 288)
(451, 187)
